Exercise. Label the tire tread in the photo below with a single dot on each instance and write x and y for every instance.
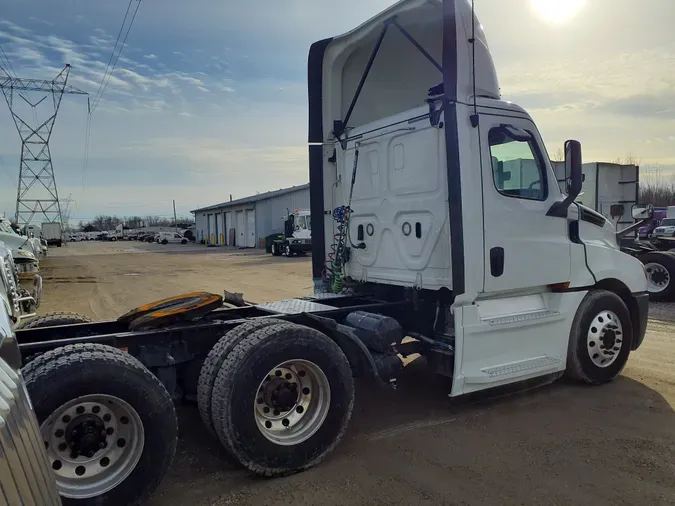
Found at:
(223, 391)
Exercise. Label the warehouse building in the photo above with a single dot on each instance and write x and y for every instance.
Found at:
(244, 222)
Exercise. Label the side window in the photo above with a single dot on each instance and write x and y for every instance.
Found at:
(517, 167)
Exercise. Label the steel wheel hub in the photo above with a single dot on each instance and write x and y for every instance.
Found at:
(292, 402)
(93, 443)
(658, 277)
(604, 339)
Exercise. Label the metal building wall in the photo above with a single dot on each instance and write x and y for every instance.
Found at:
(200, 225)
(271, 212)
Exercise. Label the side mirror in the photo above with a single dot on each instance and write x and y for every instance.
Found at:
(573, 167)
(642, 211)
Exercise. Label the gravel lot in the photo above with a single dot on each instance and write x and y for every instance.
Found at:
(560, 444)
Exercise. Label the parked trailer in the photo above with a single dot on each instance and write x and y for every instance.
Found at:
(420, 236)
(52, 233)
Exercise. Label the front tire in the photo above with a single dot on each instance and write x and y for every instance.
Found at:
(131, 416)
(600, 339)
(165, 242)
(288, 251)
(283, 399)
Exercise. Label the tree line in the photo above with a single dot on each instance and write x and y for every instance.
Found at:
(105, 222)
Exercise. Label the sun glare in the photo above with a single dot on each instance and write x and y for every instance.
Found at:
(557, 11)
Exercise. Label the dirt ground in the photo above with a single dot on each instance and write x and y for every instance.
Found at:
(560, 444)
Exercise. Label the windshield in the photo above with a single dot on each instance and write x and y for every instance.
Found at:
(668, 222)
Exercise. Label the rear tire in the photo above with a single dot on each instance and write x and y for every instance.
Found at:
(288, 251)
(600, 339)
(214, 361)
(54, 319)
(101, 376)
(248, 373)
(660, 268)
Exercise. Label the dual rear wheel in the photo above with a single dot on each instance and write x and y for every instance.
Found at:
(278, 396)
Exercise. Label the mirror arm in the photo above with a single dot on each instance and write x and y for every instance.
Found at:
(559, 209)
(632, 228)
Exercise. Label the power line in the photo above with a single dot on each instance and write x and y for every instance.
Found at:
(119, 34)
(9, 63)
(107, 80)
(87, 139)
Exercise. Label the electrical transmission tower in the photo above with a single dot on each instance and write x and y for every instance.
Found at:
(36, 192)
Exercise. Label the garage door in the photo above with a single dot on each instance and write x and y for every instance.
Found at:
(229, 225)
(250, 228)
(209, 220)
(241, 229)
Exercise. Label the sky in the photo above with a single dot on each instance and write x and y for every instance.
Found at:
(208, 97)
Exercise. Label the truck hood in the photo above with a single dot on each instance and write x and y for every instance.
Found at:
(597, 228)
(18, 242)
(666, 230)
(23, 256)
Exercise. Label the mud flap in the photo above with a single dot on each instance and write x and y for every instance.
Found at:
(172, 310)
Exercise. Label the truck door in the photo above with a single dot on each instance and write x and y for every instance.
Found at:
(524, 248)
(517, 327)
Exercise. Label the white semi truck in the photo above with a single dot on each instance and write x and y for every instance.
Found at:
(436, 215)
(297, 234)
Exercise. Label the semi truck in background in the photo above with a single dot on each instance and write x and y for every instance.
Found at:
(646, 231)
(297, 238)
(52, 233)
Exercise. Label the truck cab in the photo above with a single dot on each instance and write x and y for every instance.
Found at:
(425, 183)
(297, 238)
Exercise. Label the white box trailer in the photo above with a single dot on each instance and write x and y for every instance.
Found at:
(608, 188)
(52, 233)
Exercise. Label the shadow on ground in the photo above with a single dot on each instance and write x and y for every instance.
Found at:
(559, 444)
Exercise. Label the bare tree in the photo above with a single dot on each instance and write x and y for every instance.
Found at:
(558, 156)
(629, 159)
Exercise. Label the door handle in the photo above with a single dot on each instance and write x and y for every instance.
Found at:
(497, 261)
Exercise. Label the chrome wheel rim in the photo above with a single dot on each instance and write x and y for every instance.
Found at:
(292, 402)
(658, 277)
(604, 339)
(93, 443)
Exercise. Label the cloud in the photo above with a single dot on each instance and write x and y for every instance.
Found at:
(636, 83)
(150, 56)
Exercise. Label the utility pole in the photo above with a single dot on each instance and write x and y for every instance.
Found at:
(175, 221)
(36, 192)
